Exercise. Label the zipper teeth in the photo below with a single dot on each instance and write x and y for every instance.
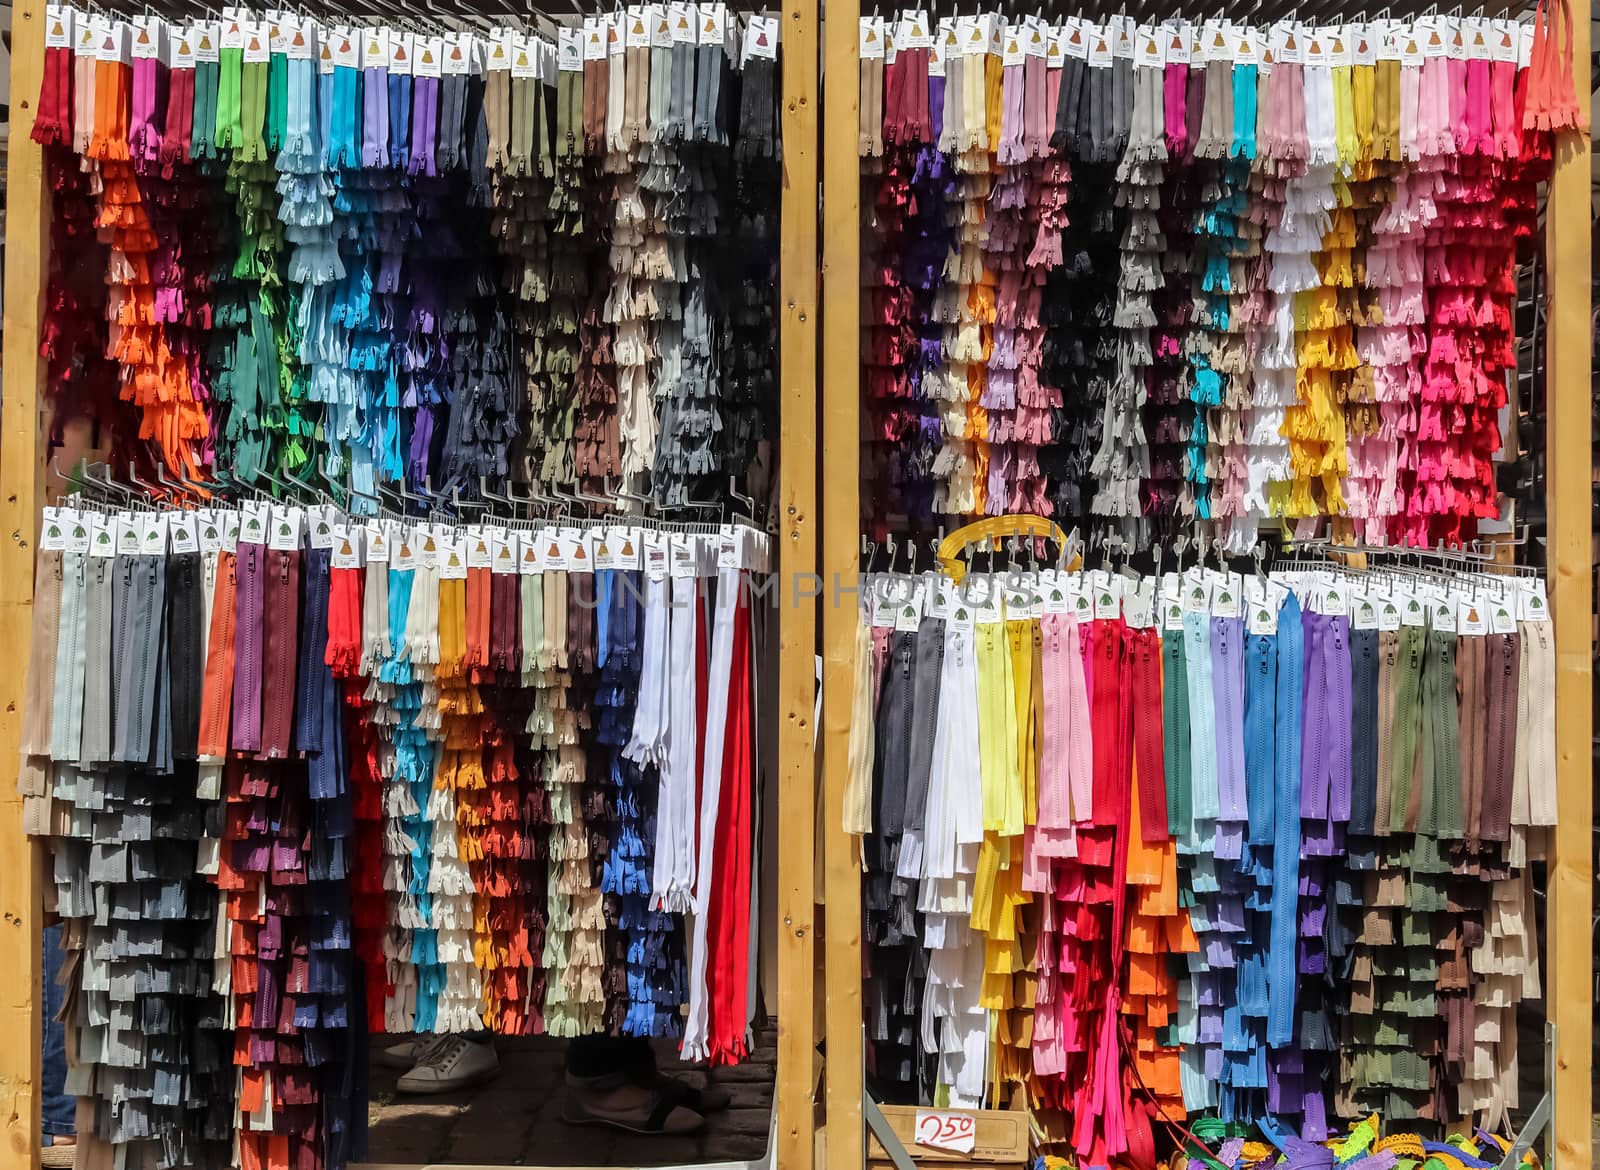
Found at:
(122, 624)
(286, 660)
(224, 637)
(140, 695)
(252, 666)
(1507, 728)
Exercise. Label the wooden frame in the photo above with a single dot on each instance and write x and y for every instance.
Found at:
(1568, 950)
(22, 427)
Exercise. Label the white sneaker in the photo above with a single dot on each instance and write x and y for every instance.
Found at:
(404, 1055)
(450, 1063)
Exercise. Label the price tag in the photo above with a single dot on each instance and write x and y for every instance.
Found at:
(1226, 601)
(453, 558)
(684, 18)
(75, 530)
(1535, 606)
(1099, 48)
(257, 42)
(146, 38)
(1262, 616)
(346, 48)
(956, 1132)
(253, 523)
(682, 556)
(185, 533)
(983, 596)
(761, 38)
(52, 537)
(908, 614)
(569, 50)
(1075, 39)
(714, 24)
(319, 525)
(377, 542)
(210, 532)
(102, 535)
(1388, 615)
(637, 31)
(1471, 617)
(153, 538)
(1196, 595)
(346, 545)
(1444, 614)
(1055, 596)
(429, 56)
(375, 48)
(455, 62)
(1179, 44)
(298, 38)
(58, 26)
(1122, 41)
(871, 47)
(1501, 618)
(576, 550)
(656, 555)
(1151, 46)
(1139, 607)
(1503, 40)
(1412, 611)
(283, 529)
(625, 547)
(1012, 54)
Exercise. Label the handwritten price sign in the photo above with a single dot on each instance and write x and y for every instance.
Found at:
(956, 1132)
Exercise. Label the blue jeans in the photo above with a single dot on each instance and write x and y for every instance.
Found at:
(59, 1111)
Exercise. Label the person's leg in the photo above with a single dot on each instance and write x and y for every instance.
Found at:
(612, 1081)
(444, 1064)
(602, 1061)
(58, 1111)
(610, 1058)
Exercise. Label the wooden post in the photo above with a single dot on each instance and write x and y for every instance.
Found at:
(795, 1091)
(21, 861)
(841, 522)
(1569, 955)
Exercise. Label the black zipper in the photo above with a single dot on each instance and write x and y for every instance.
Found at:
(138, 717)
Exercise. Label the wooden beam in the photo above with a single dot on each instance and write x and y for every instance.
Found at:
(841, 522)
(1569, 955)
(21, 473)
(795, 1092)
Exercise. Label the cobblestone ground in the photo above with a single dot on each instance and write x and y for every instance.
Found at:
(515, 1120)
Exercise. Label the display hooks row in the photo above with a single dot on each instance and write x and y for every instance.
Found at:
(552, 503)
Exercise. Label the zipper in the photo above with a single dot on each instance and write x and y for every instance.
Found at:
(1450, 746)
(277, 698)
(217, 707)
(182, 647)
(1312, 741)
(122, 626)
(137, 716)
(1506, 718)
(247, 667)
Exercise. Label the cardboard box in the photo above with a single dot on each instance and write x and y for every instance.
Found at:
(1001, 1139)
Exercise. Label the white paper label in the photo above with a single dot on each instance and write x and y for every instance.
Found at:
(944, 1130)
(346, 545)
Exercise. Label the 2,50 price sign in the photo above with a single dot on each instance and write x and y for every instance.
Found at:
(957, 1132)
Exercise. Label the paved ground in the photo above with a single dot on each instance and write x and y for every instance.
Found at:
(516, 1120)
